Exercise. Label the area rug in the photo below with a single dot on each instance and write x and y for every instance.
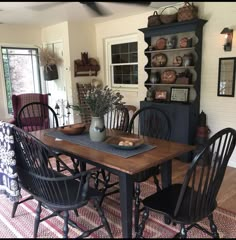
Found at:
(21, 226)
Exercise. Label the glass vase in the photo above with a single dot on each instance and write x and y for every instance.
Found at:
(97, 130)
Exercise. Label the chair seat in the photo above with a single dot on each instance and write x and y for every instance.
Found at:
(165, 202)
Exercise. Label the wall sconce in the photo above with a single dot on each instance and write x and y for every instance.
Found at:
(228, 38)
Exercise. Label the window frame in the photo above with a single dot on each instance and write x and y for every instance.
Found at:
(109, 69)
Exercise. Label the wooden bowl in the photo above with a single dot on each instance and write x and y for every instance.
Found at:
(74, 129)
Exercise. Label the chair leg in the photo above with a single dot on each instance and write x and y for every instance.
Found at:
(137, 206)
(96, 181)
(106, 185)
(65, 227)
(139, 233)
(58, 166)
(37, 219)
(106, 179)
(213, 227)
(183, 231)
(15, 205)
(76, 212)
(103, 218)
(75, 165)
(156, 181)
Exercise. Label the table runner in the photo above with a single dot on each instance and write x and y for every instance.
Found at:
(84, 140)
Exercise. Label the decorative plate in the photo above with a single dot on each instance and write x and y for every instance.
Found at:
(126, 143)
(159, 60)
(168, 76)
(185, 42)
(161, 44)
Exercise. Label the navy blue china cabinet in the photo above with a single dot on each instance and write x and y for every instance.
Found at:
(174, 55)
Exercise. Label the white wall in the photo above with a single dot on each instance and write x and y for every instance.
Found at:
(220, 110)
(18, 36)
(122, 27)
(82, 38)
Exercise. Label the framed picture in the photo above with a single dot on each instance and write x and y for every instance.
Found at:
(179, 94)
(161, 95)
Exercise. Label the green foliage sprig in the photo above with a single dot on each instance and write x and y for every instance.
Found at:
(47, 57)
(101, 101)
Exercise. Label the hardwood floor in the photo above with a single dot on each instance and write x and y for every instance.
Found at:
(227, 195)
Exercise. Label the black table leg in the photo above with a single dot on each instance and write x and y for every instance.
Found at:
(126, 195)
(166, 173)
(82, 166)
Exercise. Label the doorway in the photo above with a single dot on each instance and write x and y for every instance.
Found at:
(57, 88)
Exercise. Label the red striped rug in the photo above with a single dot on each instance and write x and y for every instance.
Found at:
(21, 226)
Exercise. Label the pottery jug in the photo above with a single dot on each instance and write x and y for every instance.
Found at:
(97, 130)
(188, 60)
(171, 43)
(149, 95)
(153, 78)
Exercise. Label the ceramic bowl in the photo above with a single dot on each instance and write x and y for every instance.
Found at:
(74, 129)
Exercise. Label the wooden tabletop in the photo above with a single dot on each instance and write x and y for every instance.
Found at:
(164, 151)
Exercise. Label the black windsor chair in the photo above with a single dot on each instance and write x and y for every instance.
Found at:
(52, 189)
(195, 199)
(32, 117)
(151, 122)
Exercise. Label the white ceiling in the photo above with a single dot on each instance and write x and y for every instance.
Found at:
(49, 13)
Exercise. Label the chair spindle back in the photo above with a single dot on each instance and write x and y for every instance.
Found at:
(202, 183)
(36, 116)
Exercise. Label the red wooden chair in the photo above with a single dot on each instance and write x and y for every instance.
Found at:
(20, 100)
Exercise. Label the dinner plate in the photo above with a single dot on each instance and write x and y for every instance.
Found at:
(119, 142)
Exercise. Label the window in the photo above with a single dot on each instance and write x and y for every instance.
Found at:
(122, 58)
(21, 72)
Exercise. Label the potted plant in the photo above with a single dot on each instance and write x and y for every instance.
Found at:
(49, 60)
(100, 101)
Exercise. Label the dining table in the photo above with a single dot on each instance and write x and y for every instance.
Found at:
(121, 162)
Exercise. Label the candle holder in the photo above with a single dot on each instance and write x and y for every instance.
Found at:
(63, 111)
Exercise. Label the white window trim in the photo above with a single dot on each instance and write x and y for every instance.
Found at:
(108, 70)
